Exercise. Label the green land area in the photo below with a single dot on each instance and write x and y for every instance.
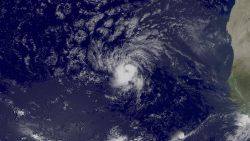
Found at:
(239, 29)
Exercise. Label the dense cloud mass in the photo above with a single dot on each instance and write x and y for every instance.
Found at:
(115, 70)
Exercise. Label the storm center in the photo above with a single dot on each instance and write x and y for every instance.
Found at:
(126, 74)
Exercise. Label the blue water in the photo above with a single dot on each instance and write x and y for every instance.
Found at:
(36, 49)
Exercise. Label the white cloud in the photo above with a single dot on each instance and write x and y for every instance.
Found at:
(242, 133)
(126, 75)
(178, 136)
(119, 138)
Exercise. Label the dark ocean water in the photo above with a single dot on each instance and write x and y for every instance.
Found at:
(55, 85)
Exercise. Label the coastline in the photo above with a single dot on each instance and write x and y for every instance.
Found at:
(238, 27)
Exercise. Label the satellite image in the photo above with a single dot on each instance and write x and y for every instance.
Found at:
(124, 70)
